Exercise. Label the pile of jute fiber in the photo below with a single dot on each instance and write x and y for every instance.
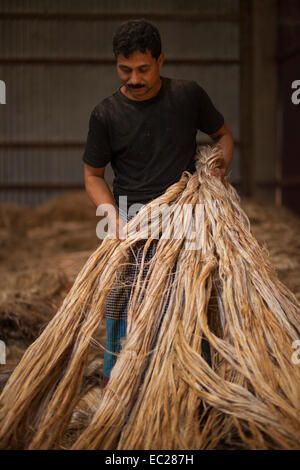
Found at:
(162, 393)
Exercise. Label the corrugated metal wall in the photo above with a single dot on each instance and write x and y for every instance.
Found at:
(56, 60)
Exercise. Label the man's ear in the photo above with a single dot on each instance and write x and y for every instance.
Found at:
(161, 59)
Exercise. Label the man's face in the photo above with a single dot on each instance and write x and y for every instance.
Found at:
(139, 74)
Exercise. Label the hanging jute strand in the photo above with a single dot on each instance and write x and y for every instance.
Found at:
(162, 393)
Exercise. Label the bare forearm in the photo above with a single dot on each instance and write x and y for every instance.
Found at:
(99, 191)
(224, 138)
(227, 145)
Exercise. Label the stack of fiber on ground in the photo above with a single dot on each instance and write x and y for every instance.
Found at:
(162, 393)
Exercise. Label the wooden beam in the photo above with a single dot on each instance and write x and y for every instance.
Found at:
(116, 16)
(110, 61)
(66, 144)
(42, 144)
(40, 186)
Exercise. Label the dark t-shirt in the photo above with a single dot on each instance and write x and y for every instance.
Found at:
(150, 143)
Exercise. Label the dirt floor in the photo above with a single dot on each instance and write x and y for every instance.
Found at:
(42, 250)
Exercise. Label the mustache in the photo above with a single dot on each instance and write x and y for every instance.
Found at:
(138, 85)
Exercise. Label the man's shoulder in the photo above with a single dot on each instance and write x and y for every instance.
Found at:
(182, 85)
(186, 92)
(102, 109)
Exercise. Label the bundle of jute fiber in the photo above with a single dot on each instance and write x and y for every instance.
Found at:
(162, 393)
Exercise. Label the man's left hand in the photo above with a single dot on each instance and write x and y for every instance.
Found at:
(219, 173)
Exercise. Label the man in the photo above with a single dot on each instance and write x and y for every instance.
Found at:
(147, 131)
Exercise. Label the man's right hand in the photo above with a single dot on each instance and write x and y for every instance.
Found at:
(116, 227)
(120, 233)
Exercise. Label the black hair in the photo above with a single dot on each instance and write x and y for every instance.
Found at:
(137, 35)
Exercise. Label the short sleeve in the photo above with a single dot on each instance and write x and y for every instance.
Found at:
(97, 150)
(210, 120)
